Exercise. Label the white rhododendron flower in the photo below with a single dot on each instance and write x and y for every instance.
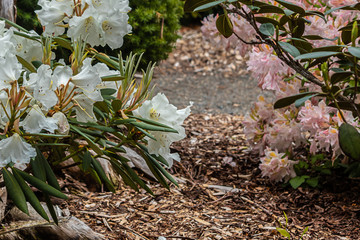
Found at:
(62, 123)
(84, 108)
(98, 22)
(53, 14)
(42, 85)
(10, 70)
(36, 121)
(14, 150)
(160, 110)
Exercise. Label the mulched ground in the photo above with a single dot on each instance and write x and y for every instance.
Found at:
(216, 200)
(221, 194)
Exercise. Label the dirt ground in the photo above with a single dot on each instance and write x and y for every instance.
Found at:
(221, 194)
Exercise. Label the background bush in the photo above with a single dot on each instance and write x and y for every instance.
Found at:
(154, 23)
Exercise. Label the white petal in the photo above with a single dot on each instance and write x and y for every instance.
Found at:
(36, 121)
(14, 149)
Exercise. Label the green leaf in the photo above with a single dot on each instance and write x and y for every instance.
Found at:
(313, 182)
(87, 159)
(293, 51)
(292, 7)
(283, 232)
(15, 192)
(162, 170)
(26, 64)
(100, 171)
(284, 102)
(208, 5)
(314, 55)
(65, 43)
(105, 59)
(50, 176)
(340, 76)
(317, 13)
(224, 25)
(301, 101)
(150, 122)
(116, 105)
(349, 139)
(355, 51)
(112, 78)
(31, 197)
(354, 33)
(190, 5)
(40, 184)
(14, 25)
(38, 168)
(107, 91)
(87, 139)
(297, 181)
(152, 127)
(51, 209)
(346, 37)
(270, 9)
(267, 29)
(305, 231)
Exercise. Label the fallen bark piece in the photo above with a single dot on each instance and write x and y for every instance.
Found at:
(34, 227)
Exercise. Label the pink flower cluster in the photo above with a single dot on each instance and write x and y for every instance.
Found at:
(313, 126)
(276, 166)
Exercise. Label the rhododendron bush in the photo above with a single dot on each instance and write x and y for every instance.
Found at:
(306, 52)
(83, 108)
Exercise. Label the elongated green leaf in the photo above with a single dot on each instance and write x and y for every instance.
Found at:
(123, 121)
(190, 5)
(93, 125)
(162, 170)
(65, 43)
(51, 209)
(38, 168)
(317, 13)
(301, 101)
(14, 191)
(112, 78)
(52, 144)
(152, 127)
(224, 25)
(267, 29)
(116, 105)
(146, 133)
(40, 184)
(124, 175)
(293, 51)
(150, 122)
(26, 64)
(50, 176)
(45, 135)
(284, 102)
(355, 51)
(100, 171)
(349, 139)
(137, 179)
(31, 197)
(314, 55)
(87, 159)
(107, 61)
(270, 9)
(208, 5)
(14, 25)
(292, 7)
(87, 139)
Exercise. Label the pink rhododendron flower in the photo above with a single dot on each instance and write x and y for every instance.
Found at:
(326, 140)
(314, 117)
(277, 167)
(266, 67)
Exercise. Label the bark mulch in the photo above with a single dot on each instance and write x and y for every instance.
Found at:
(221, 195)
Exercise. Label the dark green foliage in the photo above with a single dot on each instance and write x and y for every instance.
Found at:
(147, 18)
(26, 16)
(154, 26)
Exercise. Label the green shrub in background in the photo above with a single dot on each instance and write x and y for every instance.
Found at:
(154, 23)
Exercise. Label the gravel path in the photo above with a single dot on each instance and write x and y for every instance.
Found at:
(216, 80)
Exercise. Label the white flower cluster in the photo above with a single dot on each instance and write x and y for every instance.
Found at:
(44, 96)
(98, 22)
(160, 110)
